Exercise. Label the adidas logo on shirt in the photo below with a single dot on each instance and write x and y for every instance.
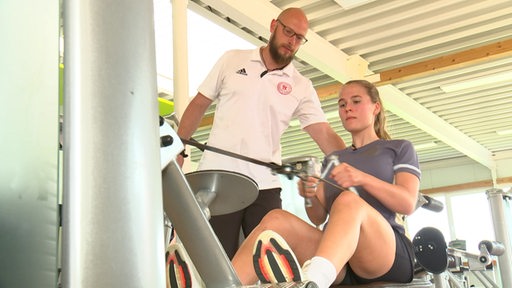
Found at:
(242, 72)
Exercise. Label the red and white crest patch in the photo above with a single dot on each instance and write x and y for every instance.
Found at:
(284, 88)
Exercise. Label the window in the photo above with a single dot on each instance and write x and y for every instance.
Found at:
(426, 218)
(465, 217)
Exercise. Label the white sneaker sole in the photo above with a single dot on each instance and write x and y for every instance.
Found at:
(274, 261)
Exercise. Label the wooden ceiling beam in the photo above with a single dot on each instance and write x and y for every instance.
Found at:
(447, 62)
(328, 91)
(443, 63)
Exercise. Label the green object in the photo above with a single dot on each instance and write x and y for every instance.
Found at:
(165, 107)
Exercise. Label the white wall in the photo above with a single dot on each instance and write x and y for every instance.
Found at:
(29, 142)
(463, 171)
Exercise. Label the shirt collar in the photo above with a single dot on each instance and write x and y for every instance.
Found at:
(288, 69)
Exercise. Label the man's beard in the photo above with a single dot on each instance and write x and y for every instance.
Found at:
(276, 56)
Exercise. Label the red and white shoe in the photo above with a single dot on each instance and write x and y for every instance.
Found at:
(274, 261)
(180, 271)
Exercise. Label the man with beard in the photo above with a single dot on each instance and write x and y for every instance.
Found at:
(258, 92)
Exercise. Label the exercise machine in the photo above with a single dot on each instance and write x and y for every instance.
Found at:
(190, 199)
(449, 265)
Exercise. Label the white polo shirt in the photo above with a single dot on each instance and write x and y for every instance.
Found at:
(253, 112)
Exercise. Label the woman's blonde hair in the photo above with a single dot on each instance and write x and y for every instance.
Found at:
(380, 120)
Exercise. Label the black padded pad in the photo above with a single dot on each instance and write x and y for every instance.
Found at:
(430, 250)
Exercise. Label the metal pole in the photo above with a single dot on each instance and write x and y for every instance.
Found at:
(112, 203)
(496, 199)
(180, 56)
(195, 231)
(180, 64)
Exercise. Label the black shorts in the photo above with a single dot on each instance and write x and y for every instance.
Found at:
(402, 270)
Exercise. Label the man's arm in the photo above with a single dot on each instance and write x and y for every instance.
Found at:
(192, 116)
(191, 119)
(325, 137)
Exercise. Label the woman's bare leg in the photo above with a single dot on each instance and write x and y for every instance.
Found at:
(357, 234)
(302, 237)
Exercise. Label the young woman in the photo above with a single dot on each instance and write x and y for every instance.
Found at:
(361, 242)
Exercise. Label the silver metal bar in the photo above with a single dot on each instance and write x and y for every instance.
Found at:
(113, 232)
(488, 280)
(453, 281)
(440, 280)
(195, 231)
(497, 198)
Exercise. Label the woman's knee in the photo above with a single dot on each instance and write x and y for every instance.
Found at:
(275, 219)
(347, 199)
(278, 220)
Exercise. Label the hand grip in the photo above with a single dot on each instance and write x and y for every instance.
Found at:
(334, 161)
(493, 247)
(307, 201)
(432, 204)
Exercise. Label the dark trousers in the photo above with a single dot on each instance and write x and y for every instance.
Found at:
(227, 227)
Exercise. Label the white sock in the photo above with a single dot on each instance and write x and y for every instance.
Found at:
(321, 271)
